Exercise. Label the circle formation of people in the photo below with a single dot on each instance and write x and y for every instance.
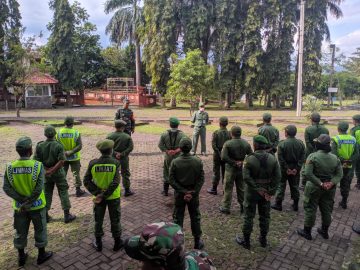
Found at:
(259, 173)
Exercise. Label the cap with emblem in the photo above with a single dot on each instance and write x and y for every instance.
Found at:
(185, 144)
(69, 120)
(291, 130)
(23, 143)
(174, 121)
(49, 131)
(126, 101)
(120, 123)
(201, 105)
(236, 131)
(224, 120)
(259, 139)
(267, 117)
(356, 117)
(315, 117)
(343, 126)
(323, 139)
(105, 145)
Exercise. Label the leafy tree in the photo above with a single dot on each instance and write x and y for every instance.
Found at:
(353, 64)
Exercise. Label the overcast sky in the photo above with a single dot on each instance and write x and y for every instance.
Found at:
(345, 32)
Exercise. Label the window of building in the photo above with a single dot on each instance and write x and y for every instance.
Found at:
(38, 91)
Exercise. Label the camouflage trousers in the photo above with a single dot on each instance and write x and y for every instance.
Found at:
(315, 197)
(345, 182)
(125, 172)
(22, 222)
(233, 176)
(194, 212)
(167, 161)
(75, 169)
(62, 187)
(218, 169)
(113, 207)
(293, 181)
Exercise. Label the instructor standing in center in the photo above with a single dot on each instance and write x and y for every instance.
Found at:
(200, 119)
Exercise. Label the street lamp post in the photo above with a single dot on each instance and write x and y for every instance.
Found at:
(301, 59)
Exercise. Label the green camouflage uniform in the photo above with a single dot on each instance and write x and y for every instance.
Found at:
(355, 131)
(271, 133)
(200, 120)
(233, 151)
(162, 245)
(123, 145)
(187, 174)
(126, 115)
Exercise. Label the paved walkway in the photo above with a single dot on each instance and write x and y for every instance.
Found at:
(149, 206)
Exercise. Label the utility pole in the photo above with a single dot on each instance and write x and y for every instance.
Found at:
(333, 48)
(301, 59)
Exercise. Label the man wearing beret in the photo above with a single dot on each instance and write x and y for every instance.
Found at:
(233, 154)
(51, 154)
(355, 131)
(344, 146)
(323, 172)
(200, 120)
(186, 176)
(161, 246)
(219, 137)
(261, 174)
(169, 144)
(127, 115)
(311, 133)
(291, 156)
(70, 138)
(24, 183)
(102, 180)
(270, 132)
(123, 146)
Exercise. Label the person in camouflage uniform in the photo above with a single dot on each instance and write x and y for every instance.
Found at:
(233, 154)
(323, 171)
(291, 156)
(261, 174)
(51, 154)
(270, 132)
(344, 146)
(200, 120)
(186, 176)
(311, 133)
(126, 115)
(161, 246)
(219, 137)
(355, 131)
(123, 147)
(169, 144)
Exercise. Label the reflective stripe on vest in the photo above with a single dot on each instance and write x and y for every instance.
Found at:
(346, 146)
(68, 137)
(22, 175)
(103, 175)
(357, 136)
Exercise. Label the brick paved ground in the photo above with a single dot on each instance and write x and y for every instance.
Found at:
(149, 206)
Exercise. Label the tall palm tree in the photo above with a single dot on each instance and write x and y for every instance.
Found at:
(123, 26)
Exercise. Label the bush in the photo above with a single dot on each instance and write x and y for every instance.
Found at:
(312, 104)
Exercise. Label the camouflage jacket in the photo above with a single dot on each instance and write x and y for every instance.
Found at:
(126, 115)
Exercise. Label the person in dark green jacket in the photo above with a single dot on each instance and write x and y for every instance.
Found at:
(169, 144)
(355, 131)
(291, 156)
(123, 146)
(187, 178)
(270, 132)
(344, 146)
(102, 180)
(261, 174)
(233, 154)
(24, 183)
(219, 137)
(323, 171)
(51, 154)
(200, 120)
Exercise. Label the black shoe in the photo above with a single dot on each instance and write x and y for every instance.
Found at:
(343, 204)
(68, 217)
(324, 231)
(295, 205)
(43, 256)
(22, 257)
(165, 192)
(128, 192)
(277, 205)
(356, 228)
(213, 190)
(306, 233)
(118, 244)
(97, 244)
(241, 209)
(224, 211)
(243, 241)
(199, 244)
(48, 218)
(263, 241)
(79, 192)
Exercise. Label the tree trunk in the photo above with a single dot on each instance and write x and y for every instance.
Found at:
(68, 99)
(249, 100)
(173, 102)
(227, 100)
(282, 101)
(277, 102)
(138, 63)
(162, 101)
(268, 101)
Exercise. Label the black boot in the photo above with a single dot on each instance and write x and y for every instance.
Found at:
(48, 218)
(295, 205)
(277, 205)
(324, 231)
(306, 233)
(356, 228)
(128, 192)
(118, 244)
(343, 203)
(199, 244)
(165, 192)
(22, 257)
(68, 217)
(97, 244)
(243, 241)
(79, 192)
(224, 211)
(213, 190)
(263, 240)
(43, 256)
(241, 209)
